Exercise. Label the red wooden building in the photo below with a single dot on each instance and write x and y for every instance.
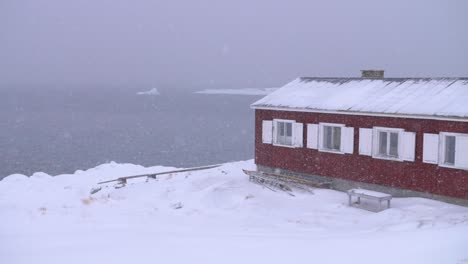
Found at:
(403, 136)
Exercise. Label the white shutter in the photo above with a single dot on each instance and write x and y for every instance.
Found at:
(298, 131)
(275, 134)
(320, 136)
(312, 136)
(365, 141)
(347, 139)
(375, 142)
(461, 152)
(431, 148)
(267, 131)
(409, 145)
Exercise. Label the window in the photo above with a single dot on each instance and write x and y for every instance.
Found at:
(388, 143)
(453, 150)
(332, 138)
(284, 133)
(449, 151)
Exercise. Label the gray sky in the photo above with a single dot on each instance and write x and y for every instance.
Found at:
(221, 44)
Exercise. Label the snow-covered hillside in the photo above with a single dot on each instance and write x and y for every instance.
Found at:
(223, 219)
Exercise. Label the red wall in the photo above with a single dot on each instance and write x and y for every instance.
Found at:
(415, 175)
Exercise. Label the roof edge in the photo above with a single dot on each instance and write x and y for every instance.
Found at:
(305, 78)
(388, 78)
(412, 116)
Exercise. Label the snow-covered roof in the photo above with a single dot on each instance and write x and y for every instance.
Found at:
(431, 97)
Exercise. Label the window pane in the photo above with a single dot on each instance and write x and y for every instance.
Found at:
(449, 150)
(280, 129)
(393, 144)
(336, 138)
(383, 143)
(287, 134)
(327, 137)
(280, 133)
(288, 129)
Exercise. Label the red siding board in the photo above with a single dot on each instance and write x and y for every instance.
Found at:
(417, 176)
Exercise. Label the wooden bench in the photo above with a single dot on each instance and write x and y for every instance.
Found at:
(370, 195)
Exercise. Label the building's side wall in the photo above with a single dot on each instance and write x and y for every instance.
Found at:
(416, 176)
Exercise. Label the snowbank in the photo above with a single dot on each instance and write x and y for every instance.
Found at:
(221, 217)
(246, 91)
(153, 91)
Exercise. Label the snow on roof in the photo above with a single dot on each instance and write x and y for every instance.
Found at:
(441, 97)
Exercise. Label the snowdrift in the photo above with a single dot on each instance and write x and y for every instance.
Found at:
(213, 216)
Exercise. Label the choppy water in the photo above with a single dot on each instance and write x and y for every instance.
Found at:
(62, 131)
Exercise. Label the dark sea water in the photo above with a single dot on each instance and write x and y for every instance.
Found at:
(61, 131)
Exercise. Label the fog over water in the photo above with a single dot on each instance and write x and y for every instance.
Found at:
(70, 70)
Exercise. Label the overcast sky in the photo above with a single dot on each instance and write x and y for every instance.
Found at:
(221, 44)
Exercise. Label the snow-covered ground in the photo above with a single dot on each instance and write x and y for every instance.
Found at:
(245, 91)
(224, 219)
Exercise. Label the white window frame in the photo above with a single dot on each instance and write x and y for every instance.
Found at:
(275, 137)
(321, 134)
(442, 149)
(375, 147)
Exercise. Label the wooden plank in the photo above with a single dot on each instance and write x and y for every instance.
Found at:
(269, 181)
(272, 182)
(288, 178)
(153, 175)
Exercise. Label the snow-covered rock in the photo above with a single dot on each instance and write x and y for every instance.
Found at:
(221, 217)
